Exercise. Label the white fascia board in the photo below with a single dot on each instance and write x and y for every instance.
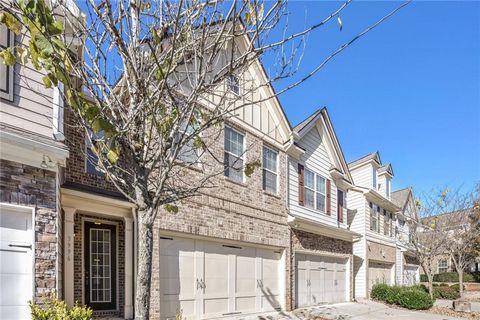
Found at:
(14, 147)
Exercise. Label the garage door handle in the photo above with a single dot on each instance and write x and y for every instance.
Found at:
(21, 246)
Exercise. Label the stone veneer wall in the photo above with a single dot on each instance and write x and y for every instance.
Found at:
(317, 244)
(29, 186)
(78, 264)
(234, 211)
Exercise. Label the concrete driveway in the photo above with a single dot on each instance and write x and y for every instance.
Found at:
(367, 310)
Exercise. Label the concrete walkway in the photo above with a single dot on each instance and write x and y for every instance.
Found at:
(367, 310)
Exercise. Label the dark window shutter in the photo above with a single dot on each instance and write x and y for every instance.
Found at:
(329, 198)
(301, 184)
(340, 205)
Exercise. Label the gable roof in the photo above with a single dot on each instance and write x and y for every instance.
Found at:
(299, 127)
(386, 169)
(371, 156)
(321, 116)
(400, 197)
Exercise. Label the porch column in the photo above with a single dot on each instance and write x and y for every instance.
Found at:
(68, 258)
(128, 268)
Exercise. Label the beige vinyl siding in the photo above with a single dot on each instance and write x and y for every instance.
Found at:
(31, 108)
(356, 220)
(362, 176)
(317, 160)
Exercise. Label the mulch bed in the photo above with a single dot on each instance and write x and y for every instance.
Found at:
(451, 313)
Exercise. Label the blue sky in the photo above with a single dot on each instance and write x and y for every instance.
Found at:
(409, 89)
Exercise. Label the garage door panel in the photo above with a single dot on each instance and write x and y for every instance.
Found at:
(245, 278)
(16, 264)
(216, 306)
(302, 289)
(245, 304)
(322, 280)
(170, 306)
(14, 312)
(232, 278)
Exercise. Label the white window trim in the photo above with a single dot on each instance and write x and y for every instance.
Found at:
(274, 172)
(8, 95)
(229, 85)
(58, 112)
(316, 176)
(242, 156)
(319, 192)
(438, 268)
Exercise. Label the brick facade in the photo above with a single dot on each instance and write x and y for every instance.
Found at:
(29, 186)
(316, 244)
(234, 211)
(75, 172)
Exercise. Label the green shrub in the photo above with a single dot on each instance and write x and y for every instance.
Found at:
(456, 287)
(420, 287)
(423, 278)
(392, 295)
(53, 308)
(380, 292)
(443, 284)
(445, 292)
(453, 277)
(414, 299)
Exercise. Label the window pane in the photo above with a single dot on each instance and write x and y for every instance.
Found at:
(269, 159)
(320, 184)
(309, 198)
(269, 181)
(321, 202)
(233, 142)
(233, 167)
(309, 179)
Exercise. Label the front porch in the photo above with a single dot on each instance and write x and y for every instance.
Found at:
(98, 252)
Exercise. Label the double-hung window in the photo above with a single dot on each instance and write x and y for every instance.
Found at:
(374, 178)
(320, 193)
(374, 217)
(233, 156)
(309, 189)
(7, 39)
(386, 223)
(91, 158)
(270, 168)
(442, 265)
(188, 153)
(315, 191)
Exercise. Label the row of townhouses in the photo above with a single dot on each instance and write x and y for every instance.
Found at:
(308, 228)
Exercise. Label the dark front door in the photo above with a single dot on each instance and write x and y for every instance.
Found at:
(100, 266)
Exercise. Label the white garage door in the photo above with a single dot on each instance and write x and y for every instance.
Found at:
(410, 275)
(16, 263)
(379, 273)
(207, 279)
(320, 279)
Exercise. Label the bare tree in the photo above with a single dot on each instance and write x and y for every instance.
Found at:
(156, 80)
(449, 227)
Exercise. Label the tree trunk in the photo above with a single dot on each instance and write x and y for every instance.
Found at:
(144, 274)
(430, 284)
(460, 281)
